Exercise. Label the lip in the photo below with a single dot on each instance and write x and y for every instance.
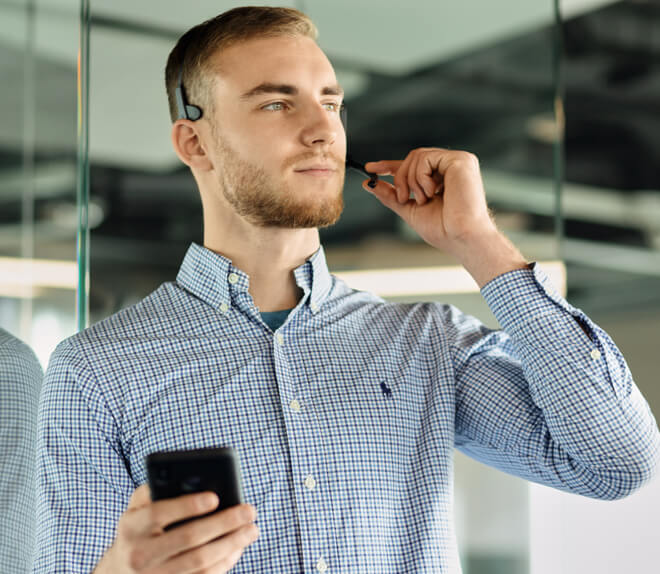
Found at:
(317, 167)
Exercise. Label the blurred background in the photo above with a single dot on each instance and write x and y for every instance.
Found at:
(560, 101)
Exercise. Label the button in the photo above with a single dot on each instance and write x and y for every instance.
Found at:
(279, 338)
(321, 565)
(224, 307)
(314, 307)
(310, 483)
(233, 278)
(595, 354)
(295, 406)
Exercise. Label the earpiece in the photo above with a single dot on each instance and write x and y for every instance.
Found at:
(185, 110)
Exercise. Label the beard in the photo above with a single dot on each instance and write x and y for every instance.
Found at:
(264, 201)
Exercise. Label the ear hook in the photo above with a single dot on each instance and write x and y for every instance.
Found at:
(185, 110)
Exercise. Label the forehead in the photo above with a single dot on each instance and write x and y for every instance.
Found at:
(296, 60)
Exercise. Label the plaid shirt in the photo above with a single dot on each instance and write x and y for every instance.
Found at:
(20, 381)
(345, 418)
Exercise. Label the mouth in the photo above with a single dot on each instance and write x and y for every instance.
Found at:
(317, 170)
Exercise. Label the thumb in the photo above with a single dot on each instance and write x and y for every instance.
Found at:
(386, 194)
(141, 497)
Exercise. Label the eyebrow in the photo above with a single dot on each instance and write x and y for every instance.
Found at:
(288, 89)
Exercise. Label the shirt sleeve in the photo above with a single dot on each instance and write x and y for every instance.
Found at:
(83, 485)
(549, 398)
(20, 381)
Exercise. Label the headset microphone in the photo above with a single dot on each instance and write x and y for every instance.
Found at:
(190, 112)
(350, 162)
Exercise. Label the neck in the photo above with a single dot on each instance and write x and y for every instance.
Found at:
(267, 255)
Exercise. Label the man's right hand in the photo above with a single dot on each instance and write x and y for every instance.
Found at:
(212, 544)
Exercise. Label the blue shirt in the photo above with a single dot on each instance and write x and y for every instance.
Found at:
(20, 382)
(345, 418)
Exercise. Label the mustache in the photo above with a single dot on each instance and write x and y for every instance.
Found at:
(327, 157)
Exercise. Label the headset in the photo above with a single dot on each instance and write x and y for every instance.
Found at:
(187, 111)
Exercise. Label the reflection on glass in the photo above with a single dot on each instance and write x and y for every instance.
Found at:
(20, 381)
(38, 51)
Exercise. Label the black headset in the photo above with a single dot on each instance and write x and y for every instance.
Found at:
(186, 111)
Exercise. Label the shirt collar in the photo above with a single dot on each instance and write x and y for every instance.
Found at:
(212, 277)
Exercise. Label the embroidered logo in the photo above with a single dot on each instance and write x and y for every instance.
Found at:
(386, 390)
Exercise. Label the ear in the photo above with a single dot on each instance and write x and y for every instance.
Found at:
(189, 145)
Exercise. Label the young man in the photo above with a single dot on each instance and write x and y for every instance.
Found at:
(344, 410)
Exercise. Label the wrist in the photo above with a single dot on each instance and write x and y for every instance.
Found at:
(488, 255)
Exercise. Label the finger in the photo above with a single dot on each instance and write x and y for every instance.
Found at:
(387, 195)
(401, 180)
(428, 178)
(203, 530)
(141, 497)
(384, 167)
(413, 184)
(217, 556)
(152, 519)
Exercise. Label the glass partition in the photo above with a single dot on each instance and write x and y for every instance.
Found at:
(39, 44)
(611, 246)
(415, 74)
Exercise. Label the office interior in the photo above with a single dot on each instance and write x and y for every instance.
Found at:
(558, 99)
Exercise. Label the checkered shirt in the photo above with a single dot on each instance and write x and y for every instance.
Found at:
(345, 418)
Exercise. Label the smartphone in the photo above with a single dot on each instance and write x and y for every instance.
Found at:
(175, 473)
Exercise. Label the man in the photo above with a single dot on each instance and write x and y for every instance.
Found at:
(20, 382)
(344, 409)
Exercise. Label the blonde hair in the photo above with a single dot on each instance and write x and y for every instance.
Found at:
(195, 49)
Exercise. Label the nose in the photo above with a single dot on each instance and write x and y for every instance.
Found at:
(321, 126)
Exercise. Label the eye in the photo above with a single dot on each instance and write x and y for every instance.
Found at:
(274, 106)
(333, 106)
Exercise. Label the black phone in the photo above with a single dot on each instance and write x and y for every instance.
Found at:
(175, 473)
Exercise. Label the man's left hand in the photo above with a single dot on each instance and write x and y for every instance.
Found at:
(449, 209)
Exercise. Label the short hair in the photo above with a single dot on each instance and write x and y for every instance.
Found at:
(195, 49)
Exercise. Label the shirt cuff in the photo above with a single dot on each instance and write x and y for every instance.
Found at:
(518, 297)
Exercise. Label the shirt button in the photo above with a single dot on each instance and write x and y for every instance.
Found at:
(314, 307)
(321, 565)
(224, 307)
(233, 278)
(280, 338)
(310, 483)
(595, 354)
(295, 406)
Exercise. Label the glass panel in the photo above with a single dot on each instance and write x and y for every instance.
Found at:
(38, 222)
(415, 74)
(611, 245)
(38, 149)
